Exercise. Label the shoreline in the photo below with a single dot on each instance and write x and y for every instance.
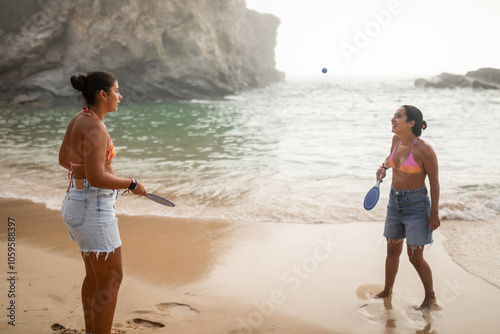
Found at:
(214, 276)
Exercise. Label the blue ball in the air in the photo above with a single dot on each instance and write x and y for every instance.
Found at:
(324, 70)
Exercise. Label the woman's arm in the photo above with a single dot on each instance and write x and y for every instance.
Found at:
(63, 154)
(381, 171)
(430, 163)
(64, 158)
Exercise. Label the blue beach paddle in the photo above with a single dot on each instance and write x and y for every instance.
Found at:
(372, 196)
(160, 200)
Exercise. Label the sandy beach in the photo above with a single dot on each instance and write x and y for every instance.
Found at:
(213, 276)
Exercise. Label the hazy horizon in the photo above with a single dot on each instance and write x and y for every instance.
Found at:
(384, 37)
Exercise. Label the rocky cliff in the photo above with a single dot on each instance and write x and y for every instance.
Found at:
(158, 49)
(485, 78)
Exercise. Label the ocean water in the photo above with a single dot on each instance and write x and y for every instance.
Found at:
(305, 151)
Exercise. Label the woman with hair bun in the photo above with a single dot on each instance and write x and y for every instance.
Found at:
(411, 215)
(87, 151)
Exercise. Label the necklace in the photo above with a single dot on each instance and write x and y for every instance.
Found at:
(93, 113)
(406, 146)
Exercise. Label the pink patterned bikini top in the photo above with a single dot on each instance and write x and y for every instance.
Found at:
(410, 166)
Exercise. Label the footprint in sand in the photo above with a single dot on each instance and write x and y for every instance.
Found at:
(164, 310)
(182, 310)
(143, 323)
(60, 329)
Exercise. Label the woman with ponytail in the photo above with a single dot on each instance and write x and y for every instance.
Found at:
(411, 214)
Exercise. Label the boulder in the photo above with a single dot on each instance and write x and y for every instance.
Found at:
(481, 79)
(489, 76)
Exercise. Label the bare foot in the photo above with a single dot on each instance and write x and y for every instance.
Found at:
(430, 300)
(383, 294)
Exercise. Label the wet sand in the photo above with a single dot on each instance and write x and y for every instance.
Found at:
(214, 276)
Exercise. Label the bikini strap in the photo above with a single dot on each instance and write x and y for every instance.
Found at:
(70, 175)
(71, 172)
(85, 111)
(417, 140)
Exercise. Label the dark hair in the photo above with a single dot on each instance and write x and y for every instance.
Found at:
(414, 114)
(91, 84)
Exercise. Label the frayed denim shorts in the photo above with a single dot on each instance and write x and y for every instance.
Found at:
(89, 216)
(408, 215)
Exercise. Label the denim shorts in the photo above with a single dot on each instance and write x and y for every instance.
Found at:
(89, 216)
(408, 215)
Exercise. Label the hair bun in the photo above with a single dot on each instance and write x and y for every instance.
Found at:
(78, 82)
(424, 125)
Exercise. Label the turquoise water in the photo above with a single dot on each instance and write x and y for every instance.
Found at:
(305, 150)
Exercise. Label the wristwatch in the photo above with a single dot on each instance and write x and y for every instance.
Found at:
(133, 184)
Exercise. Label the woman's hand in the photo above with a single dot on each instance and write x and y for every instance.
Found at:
(381, 173)
(434, 221)
(140, 190)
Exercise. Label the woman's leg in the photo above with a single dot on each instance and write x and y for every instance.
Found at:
(394, 250)
(416, 255)
(108, 275)
(88, 293)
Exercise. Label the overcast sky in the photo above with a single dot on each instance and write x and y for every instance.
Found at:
(384, 37)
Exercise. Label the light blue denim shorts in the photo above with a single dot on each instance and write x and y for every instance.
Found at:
(408, 215)
(89, 216)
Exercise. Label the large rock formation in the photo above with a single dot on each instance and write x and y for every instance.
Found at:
(158, 49)
(486, 78)
(489, 76)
